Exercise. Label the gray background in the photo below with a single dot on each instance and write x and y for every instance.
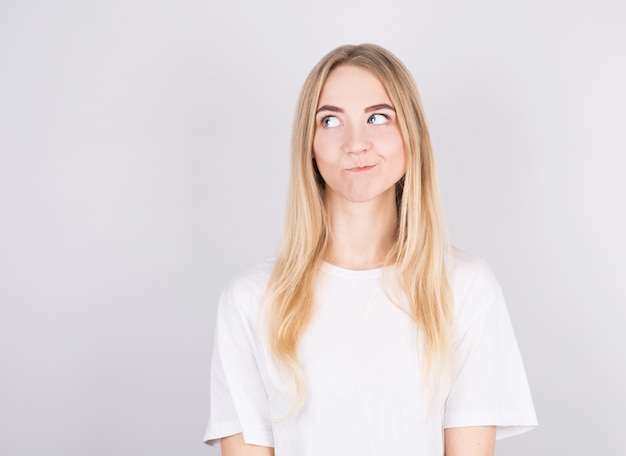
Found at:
(143, 162)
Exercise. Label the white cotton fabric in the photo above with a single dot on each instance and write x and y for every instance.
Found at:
(361, 362)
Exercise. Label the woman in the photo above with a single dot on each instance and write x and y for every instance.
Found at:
(366, 335)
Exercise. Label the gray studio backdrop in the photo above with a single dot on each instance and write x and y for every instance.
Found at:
(143, 162)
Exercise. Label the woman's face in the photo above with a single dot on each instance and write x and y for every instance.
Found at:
(357, 144)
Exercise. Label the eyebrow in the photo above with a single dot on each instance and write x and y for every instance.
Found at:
(380, 106)
(375, 107)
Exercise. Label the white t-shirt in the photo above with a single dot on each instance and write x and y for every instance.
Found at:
(360, 359)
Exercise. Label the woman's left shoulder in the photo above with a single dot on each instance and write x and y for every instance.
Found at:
(472, 281)
(466, 268)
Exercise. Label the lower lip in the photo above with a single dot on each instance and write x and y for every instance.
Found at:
(361, 169)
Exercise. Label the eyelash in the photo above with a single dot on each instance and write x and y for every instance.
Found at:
(323, 120)
(386, 116)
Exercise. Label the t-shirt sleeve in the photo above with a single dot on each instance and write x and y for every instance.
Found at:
(238, 398)
(489, 385)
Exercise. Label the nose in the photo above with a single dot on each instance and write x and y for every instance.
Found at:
(356, 140)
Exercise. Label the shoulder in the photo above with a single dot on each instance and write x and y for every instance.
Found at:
(245, 289)
(473, 283)
(465, 269)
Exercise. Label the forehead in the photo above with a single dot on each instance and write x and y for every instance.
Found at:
(348, 85)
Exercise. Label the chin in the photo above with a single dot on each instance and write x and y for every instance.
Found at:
(365, 194)
(361, 197)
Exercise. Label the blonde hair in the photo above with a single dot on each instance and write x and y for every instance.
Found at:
(420, 249)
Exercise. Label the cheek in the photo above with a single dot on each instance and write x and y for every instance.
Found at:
(320, 155)
(398, 168)
(323, 151)
(397, 154)
(319, 145)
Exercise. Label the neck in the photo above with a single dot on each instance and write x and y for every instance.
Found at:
(361, 233)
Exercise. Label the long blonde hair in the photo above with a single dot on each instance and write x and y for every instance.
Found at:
(420, 248)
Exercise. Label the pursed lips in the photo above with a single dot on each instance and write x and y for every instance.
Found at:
(360, 169)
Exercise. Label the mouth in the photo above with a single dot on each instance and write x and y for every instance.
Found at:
(360, 169)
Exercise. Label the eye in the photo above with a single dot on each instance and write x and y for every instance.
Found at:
(378, 118)
(330, 121)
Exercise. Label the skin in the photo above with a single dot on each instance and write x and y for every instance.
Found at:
(470, 441)
(234, 445)
(360, 155)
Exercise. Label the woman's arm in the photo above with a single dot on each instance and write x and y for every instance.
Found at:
(470, 441)
(234, 445)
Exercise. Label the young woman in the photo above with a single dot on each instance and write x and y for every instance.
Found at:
(366, 335)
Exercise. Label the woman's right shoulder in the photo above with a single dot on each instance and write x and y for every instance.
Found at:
(247, 287)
